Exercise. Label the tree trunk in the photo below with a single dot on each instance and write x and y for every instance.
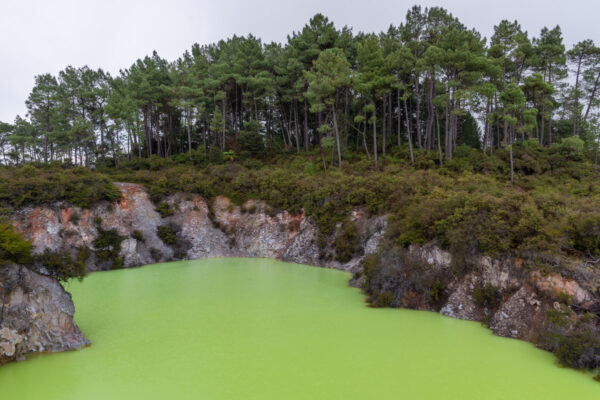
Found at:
(430, 116)
(439, 139)
(375, 137)
(418, 112)
(189, 132)
(399, 117)
(576, 110)
(409, 133)
(383, 121)
(591, 99)
(512, 178)
(550, 127)
(297, 130)
(542, 129)
(306, 126)
(364, 136)
(486, 126)
(320, 118)
(337, 136)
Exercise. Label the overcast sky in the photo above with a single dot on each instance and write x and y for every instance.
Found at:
(45, 36)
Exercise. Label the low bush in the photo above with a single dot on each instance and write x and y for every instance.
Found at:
(62, 265)
(164, 209)
(108, 246)
(346, 242)
(13, 248)
(487, 295)
(29, 185)
(167, 234)
(437, 291)
(137, 235)
(559, 318)
(580, 350)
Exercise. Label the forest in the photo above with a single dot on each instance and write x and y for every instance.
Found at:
(427, 85)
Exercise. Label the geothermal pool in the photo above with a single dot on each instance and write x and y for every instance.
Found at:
(262, 329)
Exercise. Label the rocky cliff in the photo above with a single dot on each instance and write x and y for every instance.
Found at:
(512, 300)
(36, 315)
(221, 230)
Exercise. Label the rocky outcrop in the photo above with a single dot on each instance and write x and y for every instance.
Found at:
(221, 230)
(36, 315)
(511, 299)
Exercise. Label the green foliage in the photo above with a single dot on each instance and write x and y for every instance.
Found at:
(487, 295)
(13, 249)
(29, 185)
(250, 141)
(108, 246)
(383, 300)
(62, 265)
(572, 148)
(437, 290)
(584, 231)
(164, 209)
(560, 317)
(215, 155)
(167, 234)
(581, 350)
(137, 235)
(346, 242)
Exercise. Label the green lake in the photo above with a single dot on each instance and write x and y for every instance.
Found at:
(262, 329)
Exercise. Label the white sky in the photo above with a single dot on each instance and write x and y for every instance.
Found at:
(45, 36)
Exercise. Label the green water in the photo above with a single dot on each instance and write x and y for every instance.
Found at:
(260, 329)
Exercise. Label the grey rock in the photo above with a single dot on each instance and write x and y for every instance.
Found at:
(38, 315)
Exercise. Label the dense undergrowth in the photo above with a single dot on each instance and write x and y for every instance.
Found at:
(468, 204)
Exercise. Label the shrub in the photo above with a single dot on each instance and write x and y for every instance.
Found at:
(346, 242)
(584, 231)
(215, 155)
(487, 295)
(164, 209)
(137, 235)
(558, 318)
(383, 300)
(250, 141)
(61, 265)
(167, 234)
(108, 245)
(12, 247)
(436, 292)
(572, 148)
(30, 185)
(581, 350)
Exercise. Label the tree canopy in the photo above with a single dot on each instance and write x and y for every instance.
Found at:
(428, 84)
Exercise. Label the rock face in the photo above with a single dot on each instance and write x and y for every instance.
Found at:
(223, 229)
(36, 316)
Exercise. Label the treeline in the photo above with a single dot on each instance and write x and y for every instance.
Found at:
(428, 84)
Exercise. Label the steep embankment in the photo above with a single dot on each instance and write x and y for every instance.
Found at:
(190, 229)
(510, 298)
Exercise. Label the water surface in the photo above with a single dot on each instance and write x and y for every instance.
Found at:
(261, 329)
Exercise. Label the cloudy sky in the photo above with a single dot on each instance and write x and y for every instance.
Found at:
(45, 36)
